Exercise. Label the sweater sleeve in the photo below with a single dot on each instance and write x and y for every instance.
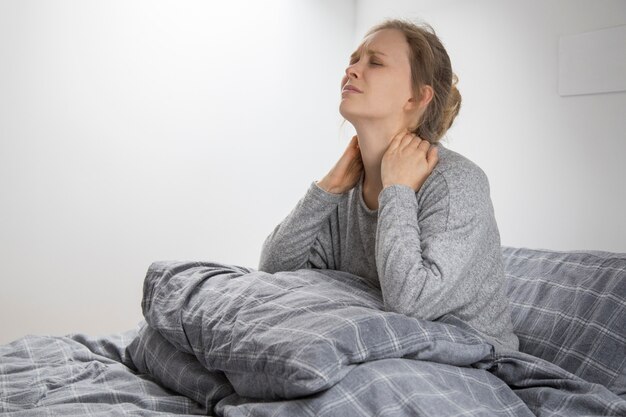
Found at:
(424, 251)
(303, 238)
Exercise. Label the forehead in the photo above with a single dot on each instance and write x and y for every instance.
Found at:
(390, 42)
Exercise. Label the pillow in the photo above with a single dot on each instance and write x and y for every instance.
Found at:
(291, 333)
(570, 308)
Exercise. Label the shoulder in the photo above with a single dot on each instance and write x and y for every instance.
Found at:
(457, 184)
(459, 175)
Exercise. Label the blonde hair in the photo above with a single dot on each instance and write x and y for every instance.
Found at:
(430, 65)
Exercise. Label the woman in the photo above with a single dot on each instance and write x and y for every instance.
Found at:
(412, 217)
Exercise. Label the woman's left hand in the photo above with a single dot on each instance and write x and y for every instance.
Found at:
(408, 160)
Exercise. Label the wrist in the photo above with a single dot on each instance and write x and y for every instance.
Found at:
(387, 185)
(328, 187)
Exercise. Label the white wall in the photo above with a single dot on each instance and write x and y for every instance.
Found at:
(555, 164)
(136, 131)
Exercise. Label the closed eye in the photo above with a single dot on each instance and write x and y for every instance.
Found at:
(373, 63)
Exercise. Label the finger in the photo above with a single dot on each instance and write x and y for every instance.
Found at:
(416, 140)
(396, 141)
(424, 145)
(432, 157)
(406, 140)
(353, 145)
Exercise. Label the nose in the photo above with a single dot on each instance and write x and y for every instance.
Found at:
(350, 71)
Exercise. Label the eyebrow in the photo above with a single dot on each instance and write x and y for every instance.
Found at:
(369, 52)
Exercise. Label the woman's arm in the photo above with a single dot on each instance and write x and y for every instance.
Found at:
(302, 239)
(427, 266)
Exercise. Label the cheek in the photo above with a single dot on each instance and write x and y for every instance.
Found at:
(390, 89)
(399, 89)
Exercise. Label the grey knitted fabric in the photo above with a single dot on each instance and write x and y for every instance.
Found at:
(435, 254)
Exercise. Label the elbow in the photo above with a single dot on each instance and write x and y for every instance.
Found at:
(400, 306)
(395, 307)
(266, 267)
(268, 263)
(400, 303)
(414, 311)
(272, 265)
(418, 294)
(272, 262)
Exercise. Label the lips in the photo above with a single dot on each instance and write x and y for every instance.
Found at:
(351, 88)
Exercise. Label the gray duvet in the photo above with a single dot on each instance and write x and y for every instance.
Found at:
(227, 340)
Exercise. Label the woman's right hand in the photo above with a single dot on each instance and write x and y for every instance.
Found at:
(344, 175)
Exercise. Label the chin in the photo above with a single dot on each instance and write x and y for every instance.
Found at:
(349, 116)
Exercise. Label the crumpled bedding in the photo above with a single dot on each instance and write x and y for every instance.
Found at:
(226, 340)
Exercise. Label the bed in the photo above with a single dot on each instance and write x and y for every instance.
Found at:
(227, 340)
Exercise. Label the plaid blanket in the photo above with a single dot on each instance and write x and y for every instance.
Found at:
(231, 341)
(77, 375)
(569, 308)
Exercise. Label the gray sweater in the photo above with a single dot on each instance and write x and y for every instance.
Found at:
(434, 254)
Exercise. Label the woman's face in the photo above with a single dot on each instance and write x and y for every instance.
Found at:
(380, 69)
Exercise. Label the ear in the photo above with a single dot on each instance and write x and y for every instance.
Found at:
(427, 96)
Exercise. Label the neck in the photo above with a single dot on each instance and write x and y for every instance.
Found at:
(374, 139)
